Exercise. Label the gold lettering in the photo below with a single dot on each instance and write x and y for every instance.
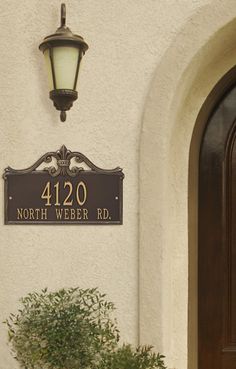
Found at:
(46, 194)
(44, 214)
(84, 191)
(59, 213)
(99, 213)
(66, 214)
(85, 214)
(19, 213)
(79, 216)
(72, 214)
(25, 214)
(56, 186)
(105, 213)
(37, 213)
(31, 213)
(66, 201)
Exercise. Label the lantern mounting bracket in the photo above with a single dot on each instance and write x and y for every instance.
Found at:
(63, 15)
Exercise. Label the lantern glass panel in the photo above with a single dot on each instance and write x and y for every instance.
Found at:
(49, 69)
(65, 60)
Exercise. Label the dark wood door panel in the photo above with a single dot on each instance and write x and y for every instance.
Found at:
(217, 239)
(230, 244)
(229, 359)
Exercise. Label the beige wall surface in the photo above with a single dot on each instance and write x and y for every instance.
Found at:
(128, 40)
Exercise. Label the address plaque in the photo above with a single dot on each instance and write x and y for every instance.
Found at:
(64, 192)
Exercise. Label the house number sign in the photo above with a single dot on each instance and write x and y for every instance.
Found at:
(63, 192)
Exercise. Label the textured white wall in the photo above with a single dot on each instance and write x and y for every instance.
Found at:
(127, 40)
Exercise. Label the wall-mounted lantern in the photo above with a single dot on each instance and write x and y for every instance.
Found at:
(63, 52)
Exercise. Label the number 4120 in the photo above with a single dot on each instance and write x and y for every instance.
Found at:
(80, 194)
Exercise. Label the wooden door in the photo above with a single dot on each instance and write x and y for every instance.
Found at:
(217, 238)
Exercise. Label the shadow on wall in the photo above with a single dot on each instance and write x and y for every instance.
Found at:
(203, 51)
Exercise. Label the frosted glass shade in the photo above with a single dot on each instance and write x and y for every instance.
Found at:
(49, 69)
(62, 63)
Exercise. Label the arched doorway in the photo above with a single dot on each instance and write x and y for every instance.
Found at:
(168, 200)
(216, 227)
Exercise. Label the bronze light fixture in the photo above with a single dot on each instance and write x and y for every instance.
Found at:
(63, 52)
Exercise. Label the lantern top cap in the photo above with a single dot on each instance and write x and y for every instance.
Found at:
(63, 36)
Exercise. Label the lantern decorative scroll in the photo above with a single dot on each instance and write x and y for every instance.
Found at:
(63, 53)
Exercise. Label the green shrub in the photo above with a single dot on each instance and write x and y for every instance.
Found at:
(68, 329)
(127, 358)
(72, 329)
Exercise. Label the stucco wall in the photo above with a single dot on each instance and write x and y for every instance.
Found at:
(127, 39)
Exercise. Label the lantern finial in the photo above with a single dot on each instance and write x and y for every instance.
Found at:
(63, 15)
(63, 116)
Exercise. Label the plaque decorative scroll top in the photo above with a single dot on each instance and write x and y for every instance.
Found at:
(63, 159)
